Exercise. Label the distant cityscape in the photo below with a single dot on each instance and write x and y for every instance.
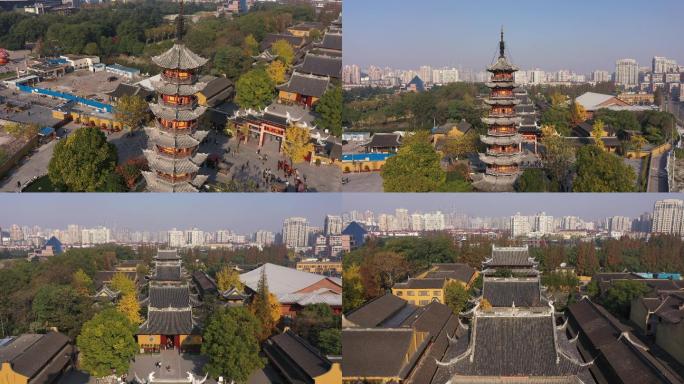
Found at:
(662, 73)
(341, 233)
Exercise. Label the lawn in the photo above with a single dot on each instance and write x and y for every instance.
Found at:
(41, 184)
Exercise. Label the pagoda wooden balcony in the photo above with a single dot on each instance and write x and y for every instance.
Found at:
(176, 126)
(508, 170)
(178, 76)
(175, 153)
(178, 178)
(514, 139)
(188, 103)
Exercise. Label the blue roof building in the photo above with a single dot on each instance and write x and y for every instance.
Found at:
(55, 244)
(357, 233)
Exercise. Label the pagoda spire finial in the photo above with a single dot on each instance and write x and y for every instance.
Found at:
(502, 45)
(179, 22)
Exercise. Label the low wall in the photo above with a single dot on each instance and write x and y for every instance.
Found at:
(17, 156)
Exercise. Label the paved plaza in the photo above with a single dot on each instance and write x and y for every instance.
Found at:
(362, 182)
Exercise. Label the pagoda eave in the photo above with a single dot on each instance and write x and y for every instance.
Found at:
(511, 159)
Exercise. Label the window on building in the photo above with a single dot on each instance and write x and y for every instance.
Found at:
(409, 293)
(424, 302)
(400, 293)
(423, 293)
(435, 293)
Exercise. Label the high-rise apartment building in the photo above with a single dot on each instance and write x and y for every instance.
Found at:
(600, 76)
(332, 225)
(295, 232)
(264, 238)
(627, 73)
(667, 216)
(520, 225)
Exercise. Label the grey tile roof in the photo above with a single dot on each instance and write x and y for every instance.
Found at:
(177, 140)
(157, 184)
(507, 292)
(618, 351)
(169, 113)
(124, 89)
(379, 352)
(167, 323)
(204, 282)
(216, 86)
(295, 358)
(509, 257)
(167, 273)
(384, 140)
(174, 165)
(457, 271)
(31, 353)
(502, 64)
(168, 88)
(179, 57)
(322, 65)
(421, 284)
(332, 41)
(376, 311)
(167, 254)
(169, 296)
(307, 85)
(514, 346)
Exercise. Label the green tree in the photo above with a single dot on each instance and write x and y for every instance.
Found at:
(83, 161)
(250, 45)
(312, 321)
(254, 89)
(262, 307)
(297, 144)
(91, 49)
(276, 71)
(600, 171)
(329, 109)
(558, 157)
(558, 117)
(593, 289)
(121, 282)
(284, 51)
(106, 343)
(578, 114)
(352, 294)
(532, 180)
(415, 168)
(228, 278)
(131, 110)
(230, 342)
(330, 341)
(81, 282)
(60, 306)
(619, 296)
(456, 296)
(130, 307)
(597, 133)
(231, 62)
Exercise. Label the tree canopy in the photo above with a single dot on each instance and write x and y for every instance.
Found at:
(60, 306)
(329, 108)
(84, 162)
(106, 343)
(415, 168)
(230, 342)
(456, 296)
(254, 89)
(297, 144)
(600, 171)
(619, 296)
(131, 110)
(228, 278)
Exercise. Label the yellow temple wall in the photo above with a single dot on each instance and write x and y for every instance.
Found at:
(8, 376)
(287, 96)
(149, 340)
(333, 376)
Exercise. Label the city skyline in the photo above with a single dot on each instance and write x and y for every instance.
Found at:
(218, 212)
(435, 38)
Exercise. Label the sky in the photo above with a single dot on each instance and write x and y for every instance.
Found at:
(246, 213)
(579, 35)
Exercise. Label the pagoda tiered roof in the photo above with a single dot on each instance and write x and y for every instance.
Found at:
(490, 183)
(158, 184)
(500, 101)
(179, 57)
(177, 140)
(168, 88)
(167, 273)
(508, 159)
(176, 165)
(170, 113)
(510, 257)
(500, 84)
(501, 120)
(502, 65)
(502, 140)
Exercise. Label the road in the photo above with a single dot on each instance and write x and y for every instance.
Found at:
(657, 174)
(32, 166)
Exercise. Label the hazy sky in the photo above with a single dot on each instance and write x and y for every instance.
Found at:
(250, 212)
(580, 35)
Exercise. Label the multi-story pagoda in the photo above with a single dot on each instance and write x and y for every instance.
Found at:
(504, 151)
(170, 323)
(174, 138)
